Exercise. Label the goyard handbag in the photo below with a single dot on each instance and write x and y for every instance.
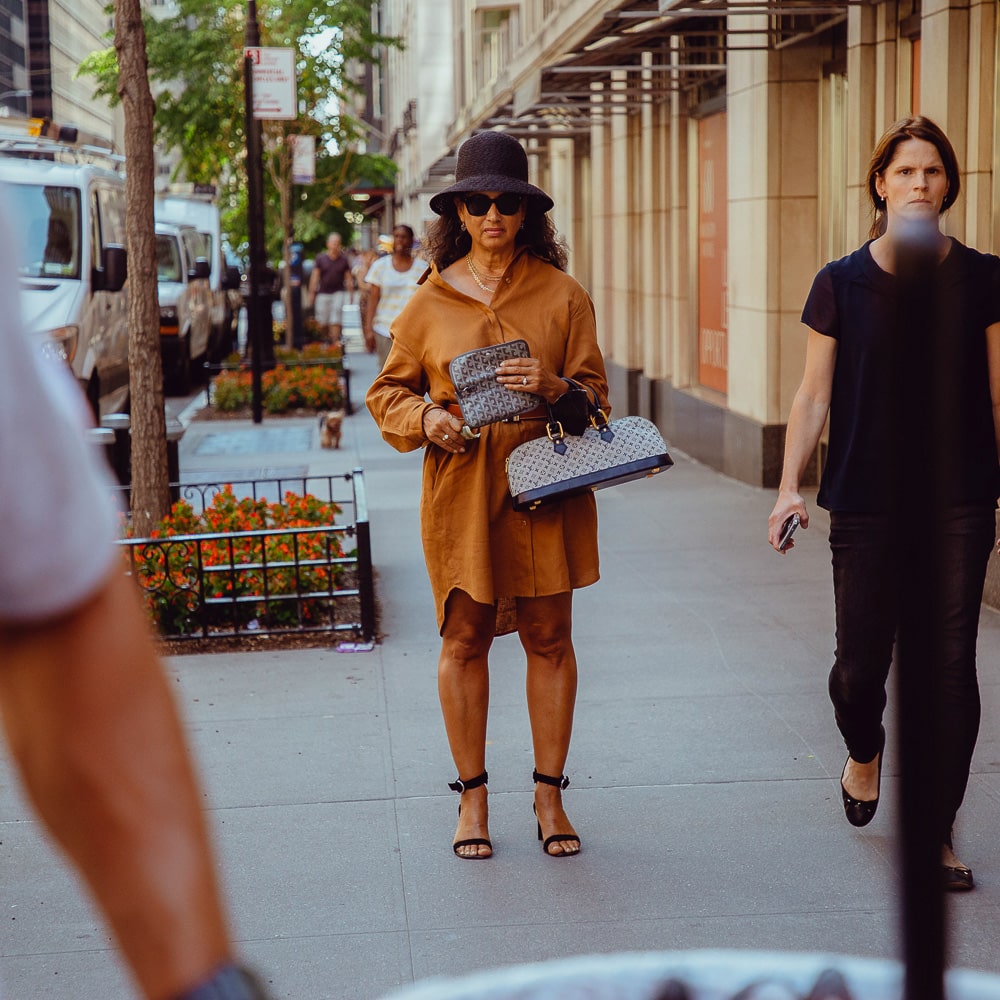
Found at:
(559, 465)
(482, 399)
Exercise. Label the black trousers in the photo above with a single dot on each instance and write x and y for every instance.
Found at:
(866, 584)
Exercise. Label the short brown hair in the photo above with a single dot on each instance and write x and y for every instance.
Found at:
(910, 128)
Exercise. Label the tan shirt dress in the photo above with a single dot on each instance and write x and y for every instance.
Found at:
(473, 538)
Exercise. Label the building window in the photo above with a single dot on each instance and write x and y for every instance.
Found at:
(497, 30)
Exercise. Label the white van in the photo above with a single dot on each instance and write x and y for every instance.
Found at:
(187, 205)
(66, 195)
(182, 284)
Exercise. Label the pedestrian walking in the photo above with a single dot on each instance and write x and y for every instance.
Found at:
(853, 356)
(329, 283)
(391, 282)
(362, 265)
(86, 707)
(497, 274)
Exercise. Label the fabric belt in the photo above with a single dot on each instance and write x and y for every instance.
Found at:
(538, 413)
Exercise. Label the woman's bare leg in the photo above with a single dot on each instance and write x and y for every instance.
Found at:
(464, 690)
(545, 628)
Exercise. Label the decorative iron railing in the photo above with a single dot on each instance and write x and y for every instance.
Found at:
(273, 580)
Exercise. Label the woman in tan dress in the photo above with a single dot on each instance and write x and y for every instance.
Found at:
(497, 275)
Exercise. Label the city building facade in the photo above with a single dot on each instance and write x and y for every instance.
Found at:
(413, 108)
(42, 43)
(705, 159)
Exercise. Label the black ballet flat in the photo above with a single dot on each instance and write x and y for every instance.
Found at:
(568, 839)
(860, 812)
(957, 879)
(461, 786)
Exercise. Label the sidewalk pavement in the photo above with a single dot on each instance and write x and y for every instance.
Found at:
(705, 765)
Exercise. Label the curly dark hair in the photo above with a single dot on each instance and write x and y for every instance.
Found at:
(445, 240)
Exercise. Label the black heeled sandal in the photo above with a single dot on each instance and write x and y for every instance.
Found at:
(860, 812)
(463, 786)
(557, 838)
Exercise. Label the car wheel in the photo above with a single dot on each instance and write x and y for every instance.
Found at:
(182, 368)
(94, 397)
(226, 342)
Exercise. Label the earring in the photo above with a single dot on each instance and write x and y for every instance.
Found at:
(461, 226)
(522, 224)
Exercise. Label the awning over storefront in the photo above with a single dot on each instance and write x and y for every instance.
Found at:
(651, 49)
(643, 51)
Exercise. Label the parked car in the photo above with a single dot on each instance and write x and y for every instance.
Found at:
(189, 208)
(66, 193)
(182, 274)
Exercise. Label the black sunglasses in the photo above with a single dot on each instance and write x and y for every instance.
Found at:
(479, 204)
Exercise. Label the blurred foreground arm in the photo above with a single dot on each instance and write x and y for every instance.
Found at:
(94, 730)
(84, 700)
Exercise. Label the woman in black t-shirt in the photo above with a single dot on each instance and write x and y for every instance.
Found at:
(863, 337)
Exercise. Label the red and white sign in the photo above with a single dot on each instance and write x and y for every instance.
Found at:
(274, 89)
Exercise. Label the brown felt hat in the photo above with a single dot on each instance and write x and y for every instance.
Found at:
(491, 161)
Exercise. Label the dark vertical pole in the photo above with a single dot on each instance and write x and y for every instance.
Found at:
(922, 413)
(295, 285)
(255, 216)
(366, 575)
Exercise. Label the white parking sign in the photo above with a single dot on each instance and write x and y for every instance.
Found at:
(274, 91)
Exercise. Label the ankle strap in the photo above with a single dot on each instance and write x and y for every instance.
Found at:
(463, 786)
(547, 779)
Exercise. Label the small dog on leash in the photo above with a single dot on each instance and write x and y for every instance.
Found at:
(330, 426)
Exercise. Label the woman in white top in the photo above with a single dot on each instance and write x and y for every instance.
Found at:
(392, 280)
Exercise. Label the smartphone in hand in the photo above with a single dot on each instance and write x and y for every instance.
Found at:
(787, 530)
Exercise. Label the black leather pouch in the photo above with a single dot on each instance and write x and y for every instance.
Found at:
(572, 409)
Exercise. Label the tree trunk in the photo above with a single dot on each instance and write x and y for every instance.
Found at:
(150, 487)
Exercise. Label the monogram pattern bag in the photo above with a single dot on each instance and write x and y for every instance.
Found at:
(482, 399)
(547, 469)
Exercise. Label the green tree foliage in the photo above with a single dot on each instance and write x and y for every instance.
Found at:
(196, 56)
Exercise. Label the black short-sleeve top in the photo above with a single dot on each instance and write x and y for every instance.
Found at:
(854, 301)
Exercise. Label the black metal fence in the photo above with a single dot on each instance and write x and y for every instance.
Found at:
(280, 579)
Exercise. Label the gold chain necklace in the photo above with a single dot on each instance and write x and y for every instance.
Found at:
(481, 279)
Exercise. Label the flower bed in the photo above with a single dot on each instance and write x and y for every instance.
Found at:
(310, 379)
(238, 565)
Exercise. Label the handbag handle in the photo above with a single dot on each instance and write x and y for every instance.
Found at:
(574, 409)
(555, 433)
(595, 414)
(573, 384)
(599, 421)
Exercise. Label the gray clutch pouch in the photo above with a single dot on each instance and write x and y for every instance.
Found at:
(482, 399)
